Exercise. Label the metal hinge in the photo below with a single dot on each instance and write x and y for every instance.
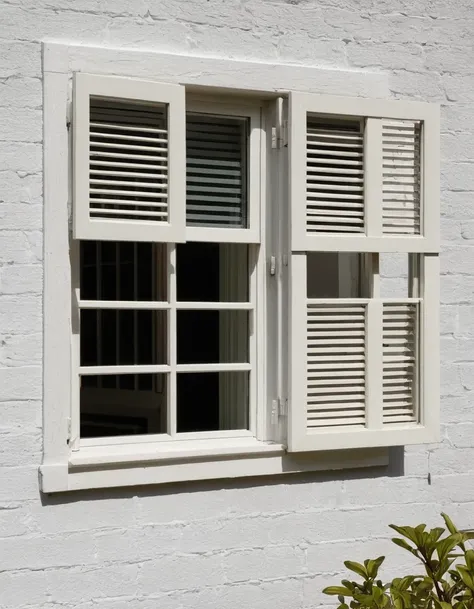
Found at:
(68, 430)
(272, 267)
(279, 409)
(280, 136)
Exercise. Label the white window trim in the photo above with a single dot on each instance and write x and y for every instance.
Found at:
(143, 464)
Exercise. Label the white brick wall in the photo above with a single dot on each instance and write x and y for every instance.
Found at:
(272, 543)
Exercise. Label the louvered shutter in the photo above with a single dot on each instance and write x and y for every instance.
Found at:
(336, 364)
(129, 159)
(401, 149)
(364, 177)
(363, 372)
(334, 176)
(365, 171)
(400, 362)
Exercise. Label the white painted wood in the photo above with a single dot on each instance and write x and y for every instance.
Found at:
(297, 352)
(218, 367)
(248, 460)
(402, 177)
(218, 306)
(374, 355)
(217, 107)
(387, 213)
(430, 347)
(373, 176)
(171, 405)
(57, 275)
(430, 187)
(124, 304)
(133, 369)
(297, 116)
(356, 243)
(90, 218)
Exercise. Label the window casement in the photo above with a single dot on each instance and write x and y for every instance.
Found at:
(233, 285)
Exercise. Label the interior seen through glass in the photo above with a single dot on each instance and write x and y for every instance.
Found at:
(128, 404)
(334, 275)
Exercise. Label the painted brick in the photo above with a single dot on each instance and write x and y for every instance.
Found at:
(265, 544)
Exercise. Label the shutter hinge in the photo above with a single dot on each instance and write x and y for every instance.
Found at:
(280, 136)
(272, 267)
(279, 409)
(284, 135)
(68, 116)
(68, 430)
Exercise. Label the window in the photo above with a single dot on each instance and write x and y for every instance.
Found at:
(253, 276)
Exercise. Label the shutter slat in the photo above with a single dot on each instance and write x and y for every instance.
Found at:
(99, 212)
(335, 374)
(216, 171)
(400, 329)
(334, 177)
(401, 176)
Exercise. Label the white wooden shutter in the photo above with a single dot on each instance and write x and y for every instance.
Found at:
(129, 159)
(363, 371)
(364, 174)
(336, 364)
(334, 176)
(400, 362)
(401, 149)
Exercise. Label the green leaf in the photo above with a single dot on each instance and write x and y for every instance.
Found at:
(445, 546)
(469, 556)
(373, 566)
(404, 544)
(356, 567)
(449, 523)
(435, 534)
(337, 590)
(466, 576)
(408, 532)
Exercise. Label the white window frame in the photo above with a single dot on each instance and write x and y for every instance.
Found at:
(131, 464)
(240, 108)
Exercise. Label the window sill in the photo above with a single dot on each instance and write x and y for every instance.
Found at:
(138, 465)
(170, 451)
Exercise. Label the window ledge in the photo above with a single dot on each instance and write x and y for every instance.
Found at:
(101, 467)
(170, 451)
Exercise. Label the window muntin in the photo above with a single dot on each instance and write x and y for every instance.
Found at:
(203, 345)
(167, 331)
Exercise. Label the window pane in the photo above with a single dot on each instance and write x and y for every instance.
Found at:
(212, 336)
(113, 405)
(216, 171)
(113, 270)
(334, 275)
(212, 401)
(110, 337)
(212, 272)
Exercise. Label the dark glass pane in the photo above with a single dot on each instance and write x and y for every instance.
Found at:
(131, 404)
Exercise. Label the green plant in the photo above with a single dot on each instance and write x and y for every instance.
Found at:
(447, 581)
